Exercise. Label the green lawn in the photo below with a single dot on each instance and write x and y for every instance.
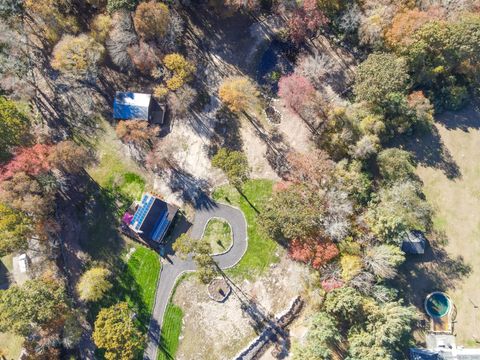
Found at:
(219, 235)
(135, 284)
(116, 184)
(261, 249)
(138, 282)
(172, 326)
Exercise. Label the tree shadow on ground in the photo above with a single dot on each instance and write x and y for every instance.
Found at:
(465, 119)
(224, 36)
(192, 190)
(180, 226)
(435, 270)
(226, 133)
(4, 277)
(100, 220)
(429, 150)
(277, 148)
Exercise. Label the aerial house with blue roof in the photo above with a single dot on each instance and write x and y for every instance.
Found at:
(137, 106)
(152, 218)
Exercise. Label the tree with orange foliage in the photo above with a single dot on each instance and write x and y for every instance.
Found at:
(136, 132)
(312, 251)
(405, 23)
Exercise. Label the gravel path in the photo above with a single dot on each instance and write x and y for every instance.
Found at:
(175, 266)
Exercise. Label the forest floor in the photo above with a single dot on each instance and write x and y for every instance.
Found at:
(450, 170)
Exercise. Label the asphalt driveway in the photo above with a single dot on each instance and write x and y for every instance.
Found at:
(175, 266)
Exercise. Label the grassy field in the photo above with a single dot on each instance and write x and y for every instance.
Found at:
(219, 235)
(114, 170)
(172, 326)
(261, 249)
(457, 204)
(138, 282)
(117, 182)
(135, 284)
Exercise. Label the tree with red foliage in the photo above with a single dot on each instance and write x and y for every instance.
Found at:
(31, 160)
(295, 90)
(312, 251)
(305, 21)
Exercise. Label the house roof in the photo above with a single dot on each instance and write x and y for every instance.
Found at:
(152, 218)
(414, 242)
(130, 105)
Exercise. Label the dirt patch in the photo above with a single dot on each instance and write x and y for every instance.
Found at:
(214, 330)
(293, 129)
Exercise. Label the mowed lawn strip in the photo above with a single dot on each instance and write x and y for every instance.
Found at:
(144, 268)
(172, 326)
(261, 251)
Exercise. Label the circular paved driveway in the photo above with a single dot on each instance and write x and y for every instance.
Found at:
(175, 267)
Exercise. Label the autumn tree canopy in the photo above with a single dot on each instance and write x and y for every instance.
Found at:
(238, 94)
(94, 284)
(15, 230)
(77, 55)
(13, 127)
(31, 305)
(295, 90)
(380, 75)
(116, 332)
(234, 164)
(151, 20)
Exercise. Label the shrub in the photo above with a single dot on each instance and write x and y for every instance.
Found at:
(100, 27)
(94, 284)
(77, 55)
(238, 94)
(114, 5)
(151, 20)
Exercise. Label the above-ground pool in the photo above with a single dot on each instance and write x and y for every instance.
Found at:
(437, 304)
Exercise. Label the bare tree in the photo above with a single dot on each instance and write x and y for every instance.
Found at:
(121, 37)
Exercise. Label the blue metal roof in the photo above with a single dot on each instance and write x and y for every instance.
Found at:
(130, 105)
(142, 211)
